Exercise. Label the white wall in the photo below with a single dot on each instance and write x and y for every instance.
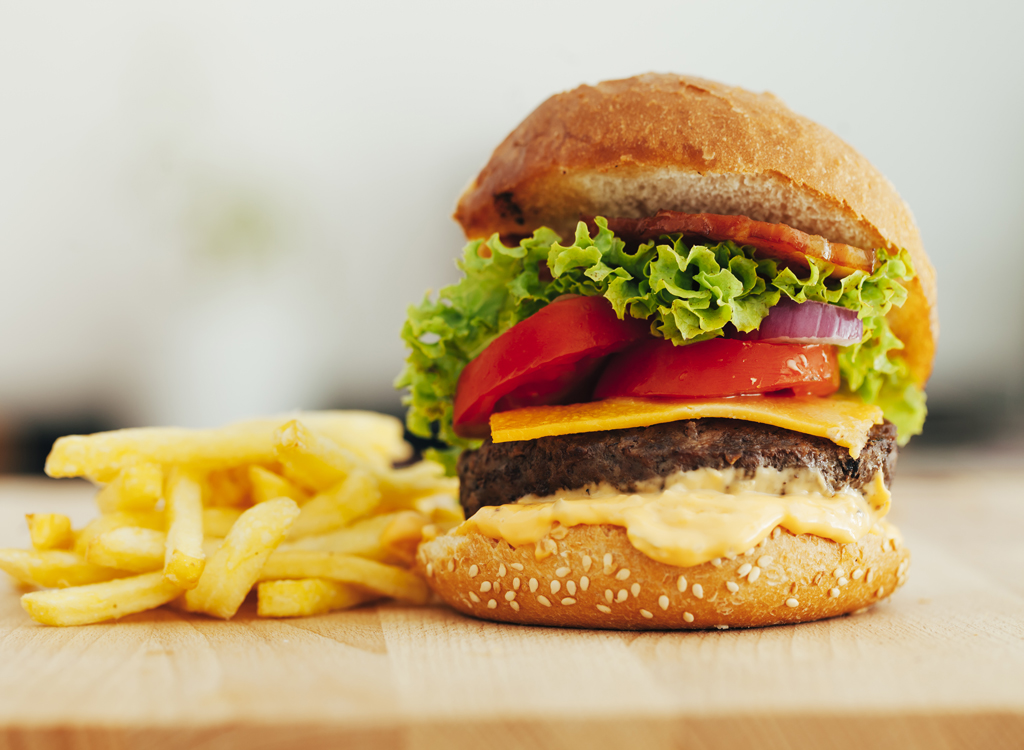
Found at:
(209, 209)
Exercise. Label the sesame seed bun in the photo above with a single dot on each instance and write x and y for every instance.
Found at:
(594, 578)
(632, 147)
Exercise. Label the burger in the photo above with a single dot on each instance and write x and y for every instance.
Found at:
(692, 330)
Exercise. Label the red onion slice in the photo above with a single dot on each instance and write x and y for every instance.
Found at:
(807, 323)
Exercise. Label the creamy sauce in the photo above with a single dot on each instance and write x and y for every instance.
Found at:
(698, 515)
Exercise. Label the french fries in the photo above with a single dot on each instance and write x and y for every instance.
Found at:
(305, 509)
(236, 566)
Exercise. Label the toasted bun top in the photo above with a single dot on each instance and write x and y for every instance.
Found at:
(660, 141)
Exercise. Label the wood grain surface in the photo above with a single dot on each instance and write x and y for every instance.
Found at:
(939, 666)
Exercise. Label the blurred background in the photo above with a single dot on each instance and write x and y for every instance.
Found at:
(210, 210)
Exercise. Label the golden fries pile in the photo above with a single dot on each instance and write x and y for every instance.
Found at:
(307, 508)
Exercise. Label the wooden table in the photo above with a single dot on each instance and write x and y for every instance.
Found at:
(940, 666)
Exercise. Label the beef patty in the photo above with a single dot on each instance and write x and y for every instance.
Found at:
(499, 473)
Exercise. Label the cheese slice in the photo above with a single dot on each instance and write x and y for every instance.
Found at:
(844, 421)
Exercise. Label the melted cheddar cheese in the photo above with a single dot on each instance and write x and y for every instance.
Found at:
(845, 422)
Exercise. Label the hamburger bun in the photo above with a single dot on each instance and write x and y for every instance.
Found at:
(632, 147)
(596, 579)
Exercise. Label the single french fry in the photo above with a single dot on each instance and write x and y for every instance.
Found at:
(53, 568)
(146, 519)
(443, 510)
(49, 530)
(235, 566)
(100, 457)
(100, 601)
(266, 485)
(136, 488)
(217, 522)
(307, 596)
(353, 498)
(129, 548)
(184, 557)
(388, 580)
(313, 460)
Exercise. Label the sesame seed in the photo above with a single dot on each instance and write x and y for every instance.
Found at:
(698, 591)
(635, 590)
(543, 600)
(895, 543)
(485, 587)
(842, 581)
(430, 570)
(857, 574)
(687, 616)
(792, 603)
(584, 583)
(570, 586)
(568, 600)
(602, 608)
(587, 562)
(516, 583)
(510, 595)
(608, 596)
(533, 585)
(776, 533)
(755, 573)
(556, 586)
(663, 601)
(838, 573)
(562, 572)
(622, 575)
(870, 576)
(730, 555)
(473, 570)
(514, 605)
(646, 614)
(717, 562)
(744, 569)
(764, 561)
(732, 586)
(607, 563)
(451, 566)
(474, 598)
(881, 590)
(492, 604)
(722, 627)
(622, 596)
(516, 566)
(833, 593)
(681, 584)
(501, 570)
(901, 568)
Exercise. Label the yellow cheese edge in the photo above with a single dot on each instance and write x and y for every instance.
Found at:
(844, 421)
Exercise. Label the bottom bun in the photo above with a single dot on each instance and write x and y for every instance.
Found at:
(594, 578)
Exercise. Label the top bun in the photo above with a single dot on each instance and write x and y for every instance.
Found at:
(632, 147)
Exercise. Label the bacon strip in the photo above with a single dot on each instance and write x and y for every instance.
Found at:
(773, 240)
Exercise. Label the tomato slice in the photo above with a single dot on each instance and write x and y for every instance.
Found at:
(720, 367)
(552, 357)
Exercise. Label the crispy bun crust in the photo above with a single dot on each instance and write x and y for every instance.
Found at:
(596, 579)
(660, 141)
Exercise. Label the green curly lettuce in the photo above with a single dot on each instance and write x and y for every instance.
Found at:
(688, 292)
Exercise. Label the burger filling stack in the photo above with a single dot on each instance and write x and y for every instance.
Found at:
(692, 330)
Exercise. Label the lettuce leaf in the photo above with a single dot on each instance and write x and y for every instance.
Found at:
(688, 292)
